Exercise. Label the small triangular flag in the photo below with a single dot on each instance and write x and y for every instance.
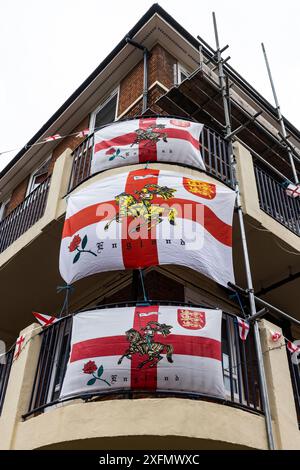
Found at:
(275, 336)
(292, 347)
(44, 320)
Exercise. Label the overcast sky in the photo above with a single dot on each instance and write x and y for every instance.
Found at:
(47, 49)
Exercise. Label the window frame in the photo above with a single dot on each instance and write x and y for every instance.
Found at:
(3, 206)
(115, 92)
(33, 174)
(181, 70)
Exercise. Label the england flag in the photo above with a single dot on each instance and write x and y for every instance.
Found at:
(147, 140)
(153, 348)
(147, 218)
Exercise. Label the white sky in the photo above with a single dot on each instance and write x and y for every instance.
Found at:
(47, 49)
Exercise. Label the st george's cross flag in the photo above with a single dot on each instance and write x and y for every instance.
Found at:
(153, 348)
(147, 218)
(243, 328)
(147, 140)
(44, 320)
(292, 347)
(293, 190)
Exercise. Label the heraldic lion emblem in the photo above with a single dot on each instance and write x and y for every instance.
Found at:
(142, 207)
(142, 343)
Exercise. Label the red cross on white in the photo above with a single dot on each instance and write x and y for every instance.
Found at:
(99, 341)
(44, 320)
(243, 329)
(19, 344)
(122, 143)
(53, 137)
(200, 236)
(275, 336)
(293, 190)
(292, 347)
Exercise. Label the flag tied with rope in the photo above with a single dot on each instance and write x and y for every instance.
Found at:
(147, 140)
(275, 336)
(243, 328)
(44, 320)
(153, 348)
(292, 347)
(148, 218)
(293, 190)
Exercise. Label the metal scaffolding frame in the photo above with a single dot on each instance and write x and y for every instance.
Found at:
(229, 135)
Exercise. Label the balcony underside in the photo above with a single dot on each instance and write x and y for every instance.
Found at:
(174, 422)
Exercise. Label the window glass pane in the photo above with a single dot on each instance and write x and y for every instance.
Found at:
(107, 113)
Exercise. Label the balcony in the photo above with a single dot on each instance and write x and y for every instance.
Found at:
(239, 370)
(213, 149)
(274, 201)
(24, 215)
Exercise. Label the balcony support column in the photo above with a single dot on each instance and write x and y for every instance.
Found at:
(20, 385)
(227, 116)
(280, 388)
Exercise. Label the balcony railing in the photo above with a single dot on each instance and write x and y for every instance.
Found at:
(24, 215)
(213, 149)
(239, 369)
(275, 202)
(5, 366)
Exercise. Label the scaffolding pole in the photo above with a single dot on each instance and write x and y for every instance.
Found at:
(280, 118)
(261, 369)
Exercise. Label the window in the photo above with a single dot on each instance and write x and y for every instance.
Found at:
(182, 74)
(105, 113)
(3, 209)
(38, 177)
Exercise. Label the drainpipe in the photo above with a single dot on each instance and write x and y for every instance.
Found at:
(145, 84)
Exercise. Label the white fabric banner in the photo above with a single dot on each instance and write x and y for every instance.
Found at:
(148, 218)
(147, 140)
(149, 348)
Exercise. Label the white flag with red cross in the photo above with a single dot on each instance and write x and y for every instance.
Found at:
(243, 329)
(148, 218)
(293, 190)
(147, 140)
(44, 320)
(152, 348)
(292, 347)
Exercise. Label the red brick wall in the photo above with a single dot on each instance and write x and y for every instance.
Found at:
(18, 195)
(69, 142)
(160, 68)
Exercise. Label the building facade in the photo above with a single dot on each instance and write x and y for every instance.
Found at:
(34, 190)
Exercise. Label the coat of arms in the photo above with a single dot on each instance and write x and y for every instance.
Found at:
(142, 342)
(200, 188)
(191, 319)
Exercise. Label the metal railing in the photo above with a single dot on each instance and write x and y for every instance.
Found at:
(5, 366)
(213, 149)
(241, 378)
(275, 202)
(24, 215)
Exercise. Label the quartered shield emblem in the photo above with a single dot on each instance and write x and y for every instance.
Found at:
(191, 319)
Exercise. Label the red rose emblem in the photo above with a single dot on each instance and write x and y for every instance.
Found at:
(89, 367)
(110, 151)
(179, 123)
(74, 243)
